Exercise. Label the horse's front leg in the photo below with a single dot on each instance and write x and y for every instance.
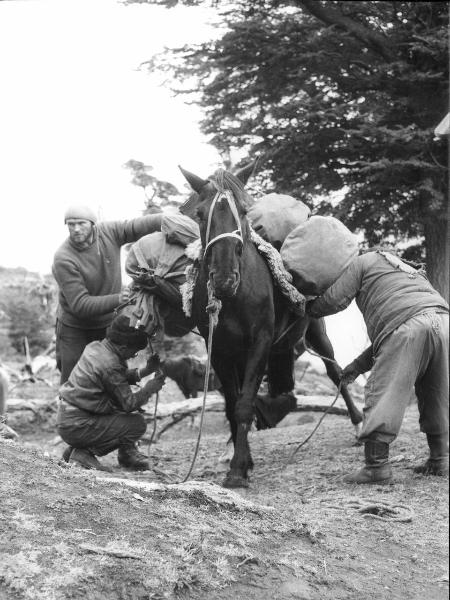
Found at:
(244, 412)
(316, 335)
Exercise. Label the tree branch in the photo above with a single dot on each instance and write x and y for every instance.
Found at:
(330, 16)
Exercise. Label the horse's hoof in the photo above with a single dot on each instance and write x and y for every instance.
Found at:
(235, 481)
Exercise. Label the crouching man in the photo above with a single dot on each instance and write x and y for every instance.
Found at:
(98, 410)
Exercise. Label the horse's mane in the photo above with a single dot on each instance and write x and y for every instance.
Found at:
(224, 180)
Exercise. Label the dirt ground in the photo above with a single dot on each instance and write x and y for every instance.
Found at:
(296, 533)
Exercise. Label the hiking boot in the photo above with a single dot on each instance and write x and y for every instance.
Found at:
(377, 468)
(129, 457)
(87, 460)
(437, 463)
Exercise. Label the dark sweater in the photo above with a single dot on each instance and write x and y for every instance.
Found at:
(386, 295)
(90, 279)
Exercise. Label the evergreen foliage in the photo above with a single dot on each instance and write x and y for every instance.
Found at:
(157, 192)
(341, 99)
(27, 309)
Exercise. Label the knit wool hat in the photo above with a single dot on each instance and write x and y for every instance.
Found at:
(120, 333)
(80, 211)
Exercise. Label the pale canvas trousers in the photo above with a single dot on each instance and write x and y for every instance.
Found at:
(413, 358)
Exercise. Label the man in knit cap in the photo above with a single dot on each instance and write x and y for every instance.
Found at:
(88, 272)
(98, 411)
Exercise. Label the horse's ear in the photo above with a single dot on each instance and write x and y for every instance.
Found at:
(189, 207)
(194, 181)
(246, 172)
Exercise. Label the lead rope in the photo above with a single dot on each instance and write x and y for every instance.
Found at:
(213, 309)
(306, 440)
(152, 437)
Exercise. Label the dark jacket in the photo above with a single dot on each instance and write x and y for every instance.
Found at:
(386, 295)
(99, 383)
(90, 279)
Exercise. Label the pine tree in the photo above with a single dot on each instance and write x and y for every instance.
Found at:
(341, 99)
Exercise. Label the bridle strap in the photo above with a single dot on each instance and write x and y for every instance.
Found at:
(237, 233)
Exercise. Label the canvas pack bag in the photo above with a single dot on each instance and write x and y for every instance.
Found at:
(157, 263)
(317, 252)
(274, 216)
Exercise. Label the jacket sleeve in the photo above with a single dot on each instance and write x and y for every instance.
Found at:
(76, 294)
(126, 232)
(120, 392)
(340, 294)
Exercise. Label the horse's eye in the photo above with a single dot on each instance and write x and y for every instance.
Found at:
(200, 213)
(239, 248)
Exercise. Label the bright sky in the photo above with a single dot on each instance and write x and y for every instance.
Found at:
(74, 109)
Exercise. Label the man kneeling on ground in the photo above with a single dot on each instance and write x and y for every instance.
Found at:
(98, 411)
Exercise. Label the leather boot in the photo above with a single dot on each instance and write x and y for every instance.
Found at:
(130, 458)
(437, 463)
(377, 468)
(86, 459)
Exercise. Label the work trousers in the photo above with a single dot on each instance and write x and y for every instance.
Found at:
(70, 343)
(101, 434)
(414, 357)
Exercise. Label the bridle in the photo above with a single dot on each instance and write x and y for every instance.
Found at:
(236, 233)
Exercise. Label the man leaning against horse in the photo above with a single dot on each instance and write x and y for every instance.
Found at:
(87, 270)
(407, 322)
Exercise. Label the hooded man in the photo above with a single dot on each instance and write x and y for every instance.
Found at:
(407, 323)
(98, 410)
(87, 269)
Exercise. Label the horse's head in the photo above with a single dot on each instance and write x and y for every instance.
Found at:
(219, 207)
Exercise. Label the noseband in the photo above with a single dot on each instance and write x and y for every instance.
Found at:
(237, 233)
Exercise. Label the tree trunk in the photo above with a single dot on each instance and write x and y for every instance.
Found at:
(437, 254)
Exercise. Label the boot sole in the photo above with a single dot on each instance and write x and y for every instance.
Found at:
(135, 468)
(378, 482)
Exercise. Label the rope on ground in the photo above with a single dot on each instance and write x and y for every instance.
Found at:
(380, 509)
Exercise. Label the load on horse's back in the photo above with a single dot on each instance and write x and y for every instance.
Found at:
(258, 324)
(157, 264)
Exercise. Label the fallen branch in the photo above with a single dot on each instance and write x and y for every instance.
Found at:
(110, 551)
(175, 412)
(35, 405)
(178, 411)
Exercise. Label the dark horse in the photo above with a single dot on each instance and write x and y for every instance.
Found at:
(248, 340)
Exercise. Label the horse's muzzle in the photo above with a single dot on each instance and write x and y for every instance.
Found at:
(225, 285)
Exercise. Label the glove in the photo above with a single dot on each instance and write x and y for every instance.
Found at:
(153, 363)
(124, 295)
(154, 385)
(349, 374)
